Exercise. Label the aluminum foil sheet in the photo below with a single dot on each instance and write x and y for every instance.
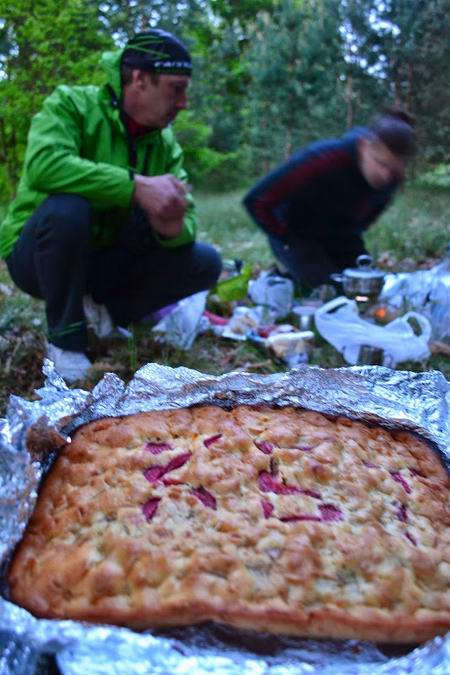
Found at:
(418, 402)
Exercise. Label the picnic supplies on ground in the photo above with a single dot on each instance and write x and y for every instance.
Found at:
(362, 280)
(183, 323)
(340, 324)
(273, 293)
(424, 291)
(234, 286)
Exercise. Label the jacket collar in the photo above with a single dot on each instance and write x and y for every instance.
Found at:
(111, 92)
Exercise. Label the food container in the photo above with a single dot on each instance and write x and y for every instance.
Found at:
(293, 347)
(364, 280)
(304, 316)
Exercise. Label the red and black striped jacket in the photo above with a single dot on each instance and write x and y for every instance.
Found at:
(318, 193)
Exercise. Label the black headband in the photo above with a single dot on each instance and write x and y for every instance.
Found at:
(157, 51)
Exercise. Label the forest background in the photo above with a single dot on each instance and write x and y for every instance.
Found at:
(269, 75)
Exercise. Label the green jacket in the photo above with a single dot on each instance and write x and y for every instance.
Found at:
(78, 144)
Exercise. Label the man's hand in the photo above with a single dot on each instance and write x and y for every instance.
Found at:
(163, 198)
(167, 228)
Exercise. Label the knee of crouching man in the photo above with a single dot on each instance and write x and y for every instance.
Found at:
(69, 217)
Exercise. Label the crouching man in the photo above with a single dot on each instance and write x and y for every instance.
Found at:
(103, 214)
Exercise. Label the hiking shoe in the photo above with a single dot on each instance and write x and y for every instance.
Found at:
(71, 366)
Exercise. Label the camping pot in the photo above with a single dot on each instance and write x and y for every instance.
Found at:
(363, 280)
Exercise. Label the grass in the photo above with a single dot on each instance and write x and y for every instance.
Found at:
(413, 232)
(415, 227)
(224, 223)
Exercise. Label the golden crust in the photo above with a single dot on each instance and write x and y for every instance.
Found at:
(274, 519)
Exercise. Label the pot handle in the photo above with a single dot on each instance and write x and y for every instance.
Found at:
(364, 260)
(337, 276)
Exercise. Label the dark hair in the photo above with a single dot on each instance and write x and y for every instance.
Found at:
(394, 127)
(126, 75)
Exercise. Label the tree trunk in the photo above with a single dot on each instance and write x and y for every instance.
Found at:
(349, 99)
(143, 21)
(288, 143)
(8, 154)
(410, 87)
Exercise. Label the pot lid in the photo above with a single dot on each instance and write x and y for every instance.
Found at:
(364, 269)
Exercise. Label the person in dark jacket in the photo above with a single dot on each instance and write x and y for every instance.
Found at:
(315, 207)
(103, 226)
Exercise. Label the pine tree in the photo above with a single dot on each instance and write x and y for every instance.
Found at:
(41, 45)
(295, 92)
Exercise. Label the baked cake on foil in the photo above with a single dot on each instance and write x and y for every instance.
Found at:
(274, 519)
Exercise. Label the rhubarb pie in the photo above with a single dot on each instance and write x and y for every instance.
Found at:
(274, 519)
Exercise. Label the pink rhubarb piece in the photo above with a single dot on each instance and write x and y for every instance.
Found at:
(205, 497)
(150, 507)
(212, 439)
(157, 448)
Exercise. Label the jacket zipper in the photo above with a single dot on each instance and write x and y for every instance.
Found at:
(131, 145)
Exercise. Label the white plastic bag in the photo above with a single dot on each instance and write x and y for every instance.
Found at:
(274, 293)
(425, 291)
(181, 326)
(340, 324)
